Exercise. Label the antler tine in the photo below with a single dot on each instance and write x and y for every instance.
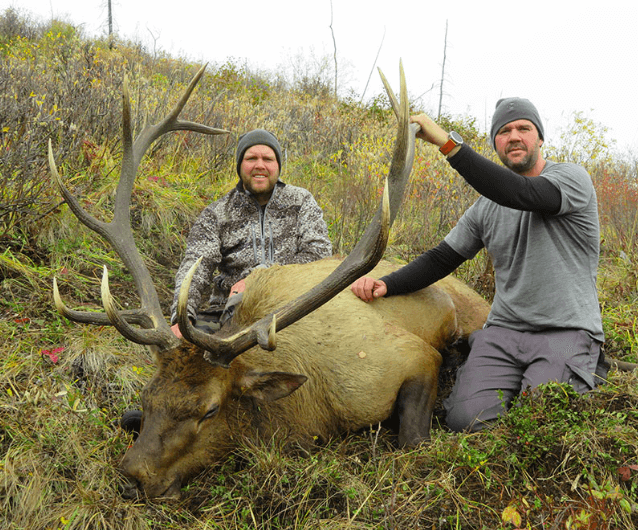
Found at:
(396, 198)
(119, 233)
(222, 348)
(134, 316)
(171, 123)
(403, 155)
(83, 216)
(137, 335)
(396, 107)
(134, 151)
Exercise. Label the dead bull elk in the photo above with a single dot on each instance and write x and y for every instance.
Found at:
(346, 365)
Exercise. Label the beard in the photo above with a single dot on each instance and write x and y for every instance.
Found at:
(524, 164)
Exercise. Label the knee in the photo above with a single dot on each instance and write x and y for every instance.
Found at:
(460, 419)
(463, 417)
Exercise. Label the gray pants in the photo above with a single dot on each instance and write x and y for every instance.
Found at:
(503, 362)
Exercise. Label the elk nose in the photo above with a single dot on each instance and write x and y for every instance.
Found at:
(128, 488)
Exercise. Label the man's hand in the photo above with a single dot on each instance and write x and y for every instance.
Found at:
(175, 329)
(239, 287)
(368, 288)
(430, 131)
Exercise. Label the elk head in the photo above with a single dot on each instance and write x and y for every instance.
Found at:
(201, 388)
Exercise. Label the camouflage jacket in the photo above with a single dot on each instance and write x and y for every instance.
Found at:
(236, 235)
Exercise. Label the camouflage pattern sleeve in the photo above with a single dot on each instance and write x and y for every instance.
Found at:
(313, 242)
(203, 240)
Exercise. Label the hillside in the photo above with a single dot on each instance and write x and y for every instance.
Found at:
(558, 460)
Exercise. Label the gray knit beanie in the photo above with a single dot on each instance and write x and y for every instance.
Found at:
(512, 109)
(257, 137)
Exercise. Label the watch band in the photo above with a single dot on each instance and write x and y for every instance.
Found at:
(453, 139)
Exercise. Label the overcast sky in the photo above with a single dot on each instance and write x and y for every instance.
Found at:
(563, 56)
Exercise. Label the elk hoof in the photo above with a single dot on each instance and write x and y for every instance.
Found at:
(132, 422)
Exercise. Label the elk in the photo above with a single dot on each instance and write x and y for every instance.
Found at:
(337, 364)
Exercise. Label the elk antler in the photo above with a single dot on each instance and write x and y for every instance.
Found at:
(119, 234)
(222, 347)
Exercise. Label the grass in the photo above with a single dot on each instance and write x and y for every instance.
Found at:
(557, 461)
(557, 456)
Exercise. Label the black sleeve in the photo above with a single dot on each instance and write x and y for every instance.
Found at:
(504, 186)
(428, 268)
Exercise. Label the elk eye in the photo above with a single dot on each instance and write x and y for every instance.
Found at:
(211, 413)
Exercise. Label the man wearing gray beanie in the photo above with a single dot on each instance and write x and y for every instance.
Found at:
(512, 109)
(261, 221)
(538, 221)
(257, 137)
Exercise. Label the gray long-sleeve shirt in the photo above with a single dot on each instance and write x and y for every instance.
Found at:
(543, 236)
(545, 265)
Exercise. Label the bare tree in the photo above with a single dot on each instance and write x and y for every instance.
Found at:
(334, 42)
(373, 65)
(155, 39)
(110, 15)
(443, 70)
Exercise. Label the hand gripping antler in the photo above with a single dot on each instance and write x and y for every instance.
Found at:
(222, 347)
(154, 328)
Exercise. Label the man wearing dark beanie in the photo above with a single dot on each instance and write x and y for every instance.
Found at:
(257, 137)
(261, 221)
(512, 109)
(538, 221)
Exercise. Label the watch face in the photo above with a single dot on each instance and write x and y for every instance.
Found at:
(456, 137)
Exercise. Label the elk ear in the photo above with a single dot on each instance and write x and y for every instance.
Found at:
(270, 386)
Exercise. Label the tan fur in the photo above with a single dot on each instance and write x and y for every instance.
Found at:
(361, 361)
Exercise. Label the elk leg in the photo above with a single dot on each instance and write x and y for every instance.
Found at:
(415, 402)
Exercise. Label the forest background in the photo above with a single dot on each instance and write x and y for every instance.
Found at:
(557, 461)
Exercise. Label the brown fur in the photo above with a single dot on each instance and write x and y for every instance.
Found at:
(345, 366)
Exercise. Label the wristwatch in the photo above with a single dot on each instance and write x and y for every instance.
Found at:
(453, 139)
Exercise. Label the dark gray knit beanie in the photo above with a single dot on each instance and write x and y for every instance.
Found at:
(512, 109)
(257, 137)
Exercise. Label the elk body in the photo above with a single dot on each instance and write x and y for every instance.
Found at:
(345, 366)
(339, 364)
